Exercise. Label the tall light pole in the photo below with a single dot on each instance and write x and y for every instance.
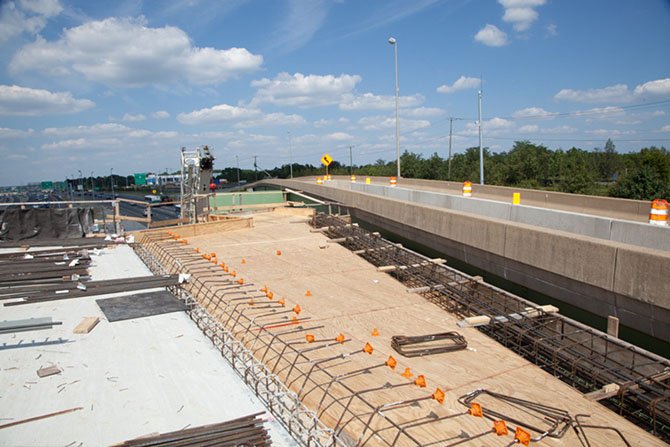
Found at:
(237, 159)
(111, 180)
(393, 42)
(92, 186)
(481, 150)
(290, 153)
(81, 179)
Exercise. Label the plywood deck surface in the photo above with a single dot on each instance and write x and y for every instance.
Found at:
(349, 296)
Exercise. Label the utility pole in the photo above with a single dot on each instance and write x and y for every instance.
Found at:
(255, 169)
(237, 160)
(351, 162)
(111, 180)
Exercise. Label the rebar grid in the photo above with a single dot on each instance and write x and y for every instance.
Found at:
(579, 355)
(239, 330)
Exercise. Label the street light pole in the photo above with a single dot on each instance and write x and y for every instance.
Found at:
(290, 153)
(481, 150)
(81, 179)
(393, 42)
(111, 180)
(92, 186)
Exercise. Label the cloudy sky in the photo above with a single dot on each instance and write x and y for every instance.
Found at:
(93, 86)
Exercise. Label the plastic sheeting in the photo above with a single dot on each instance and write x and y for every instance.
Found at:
(45, 223)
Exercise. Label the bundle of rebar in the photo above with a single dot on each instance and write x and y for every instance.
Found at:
(577, 354)
(245, 431)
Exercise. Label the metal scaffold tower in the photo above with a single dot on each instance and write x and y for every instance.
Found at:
(196, 170)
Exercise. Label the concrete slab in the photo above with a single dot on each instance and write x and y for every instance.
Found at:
(132, 378)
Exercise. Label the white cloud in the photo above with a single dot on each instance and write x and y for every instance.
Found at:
(322, 123)
(665, 128)
(65, 144)
(96, 129)
(29, 16)
(217, 114)
(125, 52)
(601, 112)
(462, 83)
(372, 123)
(128, 117)
(617, 93)
(496, 123)
(531, 128)
(339, 136)
(532, 112)
(300, 90)
(657, 87)
(369, 101)
(492, 36)
(423, 112)
(551, 30)
(161, 114)
(658, 113)
(273, 119)
(6, 132)
(303, 18)
(520, 13)
(24, 101)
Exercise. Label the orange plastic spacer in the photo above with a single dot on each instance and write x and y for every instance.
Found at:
(197, 250)
(500, 428)
(438, 395)
(244, 261)
(251, 302)
(476, 410)
(278, 252)
(270, 295)
(297, 309)
(205, 256)
(213, 254)
(391, 362)
(522, 436)
(375, 332)
(308, 293)
(294, 318)
(282, 302)
(368, 348)
(407, 374)
(226, 269)
(310, 338)
(240, 281)
(264, 289)
(233, 273)
(340, 338)
(420, 381)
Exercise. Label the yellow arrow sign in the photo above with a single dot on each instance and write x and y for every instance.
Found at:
(326, 159)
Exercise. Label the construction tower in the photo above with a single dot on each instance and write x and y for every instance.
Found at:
(196, 171)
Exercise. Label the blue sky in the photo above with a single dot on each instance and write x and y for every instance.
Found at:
(92, 86)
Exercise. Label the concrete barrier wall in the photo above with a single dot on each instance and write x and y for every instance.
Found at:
(634, 233)
(592, 272)
(607, 206)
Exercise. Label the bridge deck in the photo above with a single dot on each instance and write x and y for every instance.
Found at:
(350, 296)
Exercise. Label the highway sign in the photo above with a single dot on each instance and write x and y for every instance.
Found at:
(47, 186)
(326, 160)
(140, 179)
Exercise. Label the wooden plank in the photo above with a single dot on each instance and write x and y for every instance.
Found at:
(86, 325)
(48, 371)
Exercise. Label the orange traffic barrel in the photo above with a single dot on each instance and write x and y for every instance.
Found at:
(319, 181)
(393, 181)
(467, 189)
(330, 177)
(658, 214)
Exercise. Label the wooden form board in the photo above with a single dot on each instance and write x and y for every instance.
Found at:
(349, 296)
(86, 325)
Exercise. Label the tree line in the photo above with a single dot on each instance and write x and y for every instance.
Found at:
(642, 175)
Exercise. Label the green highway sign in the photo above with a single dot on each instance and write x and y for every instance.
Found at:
(140, 179)
(47, 185)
